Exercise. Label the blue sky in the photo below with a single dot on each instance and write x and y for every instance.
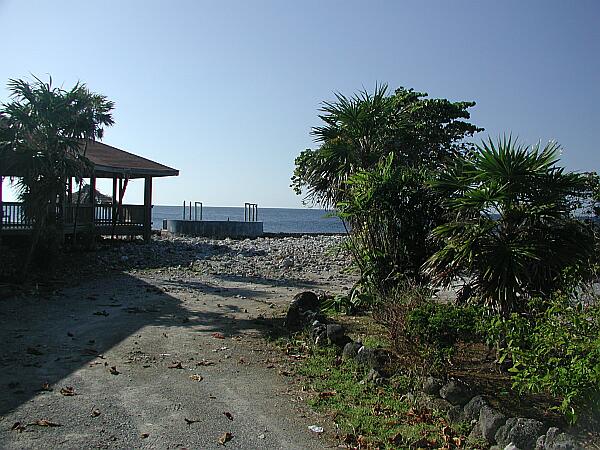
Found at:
(227, 91)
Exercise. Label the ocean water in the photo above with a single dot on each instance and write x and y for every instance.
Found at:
(275, 220)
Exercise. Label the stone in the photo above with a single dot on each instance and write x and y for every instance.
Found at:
(455, 414)
(436, 404)
(335, 333)
(555, 440)
(472, 409)
(489, 422)
(521, 432)
(351, 349)
(287, 263)
(372, 358)
(432, 385)
(456, 392)
(303, 302)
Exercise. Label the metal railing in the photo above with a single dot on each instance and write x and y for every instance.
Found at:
(250, 212)
(197, 207)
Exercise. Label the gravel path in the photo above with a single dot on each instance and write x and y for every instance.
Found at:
(168, 351)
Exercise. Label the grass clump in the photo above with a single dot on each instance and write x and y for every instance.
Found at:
(370, 415)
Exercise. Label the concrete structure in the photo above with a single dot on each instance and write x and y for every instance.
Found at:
(217, 229)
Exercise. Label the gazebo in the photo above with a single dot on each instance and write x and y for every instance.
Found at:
(113, 218)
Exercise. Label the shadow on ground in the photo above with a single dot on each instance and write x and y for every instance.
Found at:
(45, 340)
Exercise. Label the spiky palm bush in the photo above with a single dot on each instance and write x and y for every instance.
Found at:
(513, 233)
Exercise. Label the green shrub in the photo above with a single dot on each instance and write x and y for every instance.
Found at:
(424, 333)
(555, 350)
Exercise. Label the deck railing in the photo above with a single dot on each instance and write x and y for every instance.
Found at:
(12, 215)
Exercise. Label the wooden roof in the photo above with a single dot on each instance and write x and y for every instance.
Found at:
(110, 161)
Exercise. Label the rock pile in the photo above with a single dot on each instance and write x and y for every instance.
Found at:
(461, 404)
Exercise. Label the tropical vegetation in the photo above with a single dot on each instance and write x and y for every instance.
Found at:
(44, 131)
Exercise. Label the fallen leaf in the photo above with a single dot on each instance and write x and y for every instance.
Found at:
(218, 335)
(144, 435)
(34, 351)
(175, 365)
(113, 370)
(205, 362)
(68, 391)
(46, 423)
(225, 437)
(196, 377)
(228, 415)
(18, 426)
(101, 313)
(46, 387)
(190, 421)
(95, 413)
(327, 394)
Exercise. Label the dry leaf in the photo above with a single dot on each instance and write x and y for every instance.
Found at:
(144, 435)
(18, 426)
(196, 377)
(175, 365)
(101, 313)
(327, 394)
(113, 370)
(190, 421)
(68, 391)
(225, 437)
(95, 413)
(46, 387)
(218, 335)
(46, 423)
(205, 362)
(228, 415)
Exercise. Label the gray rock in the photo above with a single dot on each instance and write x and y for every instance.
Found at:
(555, 440)
(456, 392)
(335, 334)
(489, 422)
(455, 414)
(472, 409)
(303, 302)
(436, 404)
(351, 349)
(511, 446)
(372, 358)
(521, 432)
(432, 385)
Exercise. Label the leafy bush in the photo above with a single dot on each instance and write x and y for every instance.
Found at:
(555, 350)
(514, 234)
(424, 333)
(392, 211)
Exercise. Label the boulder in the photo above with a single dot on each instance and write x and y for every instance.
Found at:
(472, 409)
(555, 440)
(303, 303)
(489, 422)
(432, 385)
(521, 432)
(456, 392)
(351, 349)
(373, 358)
(335, 334)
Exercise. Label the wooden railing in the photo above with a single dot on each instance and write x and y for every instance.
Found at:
(12, 216)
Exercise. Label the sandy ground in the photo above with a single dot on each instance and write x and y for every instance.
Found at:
(138, 349)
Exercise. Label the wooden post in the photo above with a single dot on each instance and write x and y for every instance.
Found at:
(147, 208)
(1, 208)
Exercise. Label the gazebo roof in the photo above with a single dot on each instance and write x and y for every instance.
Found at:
(110, 162)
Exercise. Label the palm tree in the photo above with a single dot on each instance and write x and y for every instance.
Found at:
(361, 131)
(42, 131)
(513, 234)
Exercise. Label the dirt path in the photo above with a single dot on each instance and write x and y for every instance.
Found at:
(156, 328)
